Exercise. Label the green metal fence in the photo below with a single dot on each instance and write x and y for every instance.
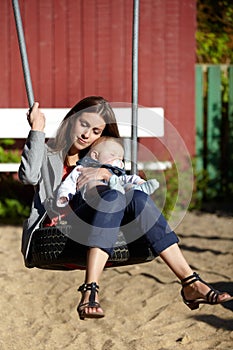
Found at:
(214, 128)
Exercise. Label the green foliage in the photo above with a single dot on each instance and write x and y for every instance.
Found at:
(15, 200)
(172, 194)
(171, 197)
(213, 48)
(12, 211)
(214, 35)
(215, 15)
(7, 142)
(7, 155)
(166, 196)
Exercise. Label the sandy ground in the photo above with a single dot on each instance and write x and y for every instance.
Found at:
(142, 302)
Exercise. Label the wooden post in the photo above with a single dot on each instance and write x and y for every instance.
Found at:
(214, 116)
(199, 119)
(230, 123)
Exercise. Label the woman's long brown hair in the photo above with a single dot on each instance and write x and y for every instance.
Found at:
(91, 104)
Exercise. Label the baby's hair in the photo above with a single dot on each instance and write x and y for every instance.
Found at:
(107, 138)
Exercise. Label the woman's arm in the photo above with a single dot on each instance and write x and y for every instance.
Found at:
(33, 152)
(92, 174)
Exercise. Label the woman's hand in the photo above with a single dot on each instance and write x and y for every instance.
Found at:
(92, 174)
(36, 118)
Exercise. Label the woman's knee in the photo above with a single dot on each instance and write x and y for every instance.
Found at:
(113, 201)
(138, 199)
(112, 195)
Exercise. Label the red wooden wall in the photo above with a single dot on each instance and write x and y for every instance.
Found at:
(82, 47)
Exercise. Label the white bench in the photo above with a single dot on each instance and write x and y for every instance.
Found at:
(14, 125)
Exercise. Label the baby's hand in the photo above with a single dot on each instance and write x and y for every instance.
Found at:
(62, 201)
(90, 174)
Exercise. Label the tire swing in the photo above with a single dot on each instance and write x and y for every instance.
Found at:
(50, 247)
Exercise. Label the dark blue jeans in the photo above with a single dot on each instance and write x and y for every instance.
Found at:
(101, 217)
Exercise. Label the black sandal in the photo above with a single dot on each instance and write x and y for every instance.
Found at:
(210, 298)
(93, 288)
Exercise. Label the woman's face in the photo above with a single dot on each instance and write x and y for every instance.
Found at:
(88, 127)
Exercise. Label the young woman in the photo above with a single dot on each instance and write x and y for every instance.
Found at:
(135, 213)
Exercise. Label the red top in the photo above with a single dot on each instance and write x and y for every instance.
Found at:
(54, 221)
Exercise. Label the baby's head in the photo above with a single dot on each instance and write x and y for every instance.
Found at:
(108, 150)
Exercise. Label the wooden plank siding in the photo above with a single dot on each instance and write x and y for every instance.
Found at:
(214, 125)
(82, 47)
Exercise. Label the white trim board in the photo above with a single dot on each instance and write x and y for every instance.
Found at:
(14, 123)
(14, 167)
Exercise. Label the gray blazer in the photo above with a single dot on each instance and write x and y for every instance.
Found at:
(36, 153)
